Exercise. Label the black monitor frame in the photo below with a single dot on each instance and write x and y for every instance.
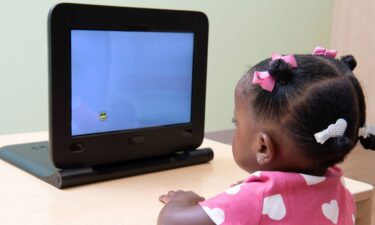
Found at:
(69, 151)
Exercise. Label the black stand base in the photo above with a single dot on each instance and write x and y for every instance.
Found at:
(34, 158)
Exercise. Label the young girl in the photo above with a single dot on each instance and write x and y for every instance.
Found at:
(296, 117)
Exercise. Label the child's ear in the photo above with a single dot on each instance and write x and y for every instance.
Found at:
(265, 149)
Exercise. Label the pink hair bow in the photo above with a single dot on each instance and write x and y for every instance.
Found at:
(287, 58)
(326, 52)
(264, 79)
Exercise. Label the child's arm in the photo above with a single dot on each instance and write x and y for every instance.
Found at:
(181, 208)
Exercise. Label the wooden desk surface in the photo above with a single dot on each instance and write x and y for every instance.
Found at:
(25, 199)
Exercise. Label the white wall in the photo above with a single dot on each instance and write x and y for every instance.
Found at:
(242, 32)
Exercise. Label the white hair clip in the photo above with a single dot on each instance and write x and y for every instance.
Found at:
(333, 130)
(366, 131)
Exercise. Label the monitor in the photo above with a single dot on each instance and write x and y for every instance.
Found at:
(125, 83)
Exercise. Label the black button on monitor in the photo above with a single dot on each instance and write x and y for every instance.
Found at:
(77, 147)
(136, 140)
(188, 133)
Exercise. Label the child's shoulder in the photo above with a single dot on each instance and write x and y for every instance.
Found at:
(278, 180)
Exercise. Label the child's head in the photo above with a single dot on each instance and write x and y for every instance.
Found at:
(279, 122)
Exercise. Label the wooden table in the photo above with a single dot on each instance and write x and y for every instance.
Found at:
(25, 199)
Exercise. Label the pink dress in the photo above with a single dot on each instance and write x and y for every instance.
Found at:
(272, 197)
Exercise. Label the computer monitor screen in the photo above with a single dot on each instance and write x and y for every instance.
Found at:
(124, 80)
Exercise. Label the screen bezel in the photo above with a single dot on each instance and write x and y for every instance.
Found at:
(69, 151)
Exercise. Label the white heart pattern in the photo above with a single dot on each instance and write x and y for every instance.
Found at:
(274, 207)
(257, 173)
(343, 181)
(311, 180)
(216, 214)
(234, 190)
(331, 211)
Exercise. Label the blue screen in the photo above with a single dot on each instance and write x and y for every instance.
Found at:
(123, 80)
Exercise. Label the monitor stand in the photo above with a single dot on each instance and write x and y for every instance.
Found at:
(35, 159)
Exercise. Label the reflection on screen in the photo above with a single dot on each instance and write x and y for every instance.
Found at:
(125, 80)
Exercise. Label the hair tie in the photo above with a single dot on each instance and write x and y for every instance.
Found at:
(286, 58)
(265, 80)
(325, 52)
(366, 131)
(333, 130)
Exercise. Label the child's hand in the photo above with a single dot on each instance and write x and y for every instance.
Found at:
(238, 182)
(187, 197)
(182, 208)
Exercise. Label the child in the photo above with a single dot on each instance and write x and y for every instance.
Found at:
(296, 117)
